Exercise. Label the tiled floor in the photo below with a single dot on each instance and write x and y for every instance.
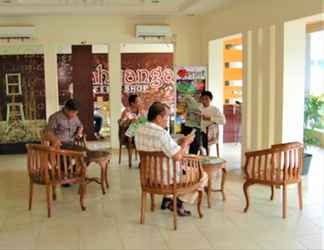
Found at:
(112, 221)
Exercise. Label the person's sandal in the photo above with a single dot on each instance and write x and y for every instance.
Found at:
(183, 212)
(180, 211)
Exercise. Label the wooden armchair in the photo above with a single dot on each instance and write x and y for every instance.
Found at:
(279, 166)
(161, 175)
(100, 157)
(127, 142)
(51, 167)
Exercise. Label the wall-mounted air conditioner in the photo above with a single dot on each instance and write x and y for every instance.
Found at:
(19, 32)
(159, 31)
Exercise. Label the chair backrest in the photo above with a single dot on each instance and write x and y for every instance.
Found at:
(213, 133)
(291, 159)
(280, 163)
(122, 128)
(38, 162)
(47, 165)
(43, 138)
(158, 172)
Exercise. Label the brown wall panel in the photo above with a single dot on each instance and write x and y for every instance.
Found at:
(82, 87)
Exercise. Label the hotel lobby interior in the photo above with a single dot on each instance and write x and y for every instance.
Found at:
(263, 62)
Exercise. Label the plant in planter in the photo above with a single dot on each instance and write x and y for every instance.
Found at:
(313, 119)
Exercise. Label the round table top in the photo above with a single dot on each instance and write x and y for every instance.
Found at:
(98, 153)
(212, 161)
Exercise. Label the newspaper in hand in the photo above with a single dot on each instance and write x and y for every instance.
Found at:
(131, 131)
(193, 118)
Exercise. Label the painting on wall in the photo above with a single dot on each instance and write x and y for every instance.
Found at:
(22, 97)
(150, 76)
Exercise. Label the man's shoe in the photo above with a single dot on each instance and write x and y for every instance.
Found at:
(166, 203)
(183, 212)
(66, 185)
(180, 210)
(179, 203)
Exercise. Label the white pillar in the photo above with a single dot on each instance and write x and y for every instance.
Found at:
(216, 77)
(294, 81)
(262, 87)
(51, 82)
(115, 92)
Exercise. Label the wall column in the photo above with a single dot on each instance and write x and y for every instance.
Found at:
(263, 87)
(115, 92)
(294, 80)
(51, 82)
(216, 77)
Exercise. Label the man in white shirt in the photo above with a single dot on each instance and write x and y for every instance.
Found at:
(209, 115)
(152, 136)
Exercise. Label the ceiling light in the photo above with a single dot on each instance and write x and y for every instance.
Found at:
(155, 1)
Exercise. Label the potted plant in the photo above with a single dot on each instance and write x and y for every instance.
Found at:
(313, 119)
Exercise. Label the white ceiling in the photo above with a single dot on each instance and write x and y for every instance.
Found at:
(110, 7)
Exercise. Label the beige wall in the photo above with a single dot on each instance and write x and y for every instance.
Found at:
(251, 14)
(262, 24)
(55, 31)
(260, 21)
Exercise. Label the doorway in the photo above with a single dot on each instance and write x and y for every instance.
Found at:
(225, 81)
(93, 94)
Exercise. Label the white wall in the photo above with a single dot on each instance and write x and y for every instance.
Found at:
(147, 48)
(294, 81)
(262, 23)
(54, 31)
(216, 79)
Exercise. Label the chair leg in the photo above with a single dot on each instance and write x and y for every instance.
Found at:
(82, 194)
(31, 194)
(130, 154)
(284, 201)
(54, 192)
(106, 175)
(174, 212)
(143, 207)
(152, 203)
(49, 200)
(246, 194)
(120, 152)
(102, 177)
(272, 193)
(209, 192)
(224, 173)
(300, 195)
(217, 150)
(200, 199)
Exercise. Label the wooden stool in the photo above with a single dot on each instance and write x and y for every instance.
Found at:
(102, 158)
(211, 165)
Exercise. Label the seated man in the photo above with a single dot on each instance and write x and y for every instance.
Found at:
(64, 126)
(152, 136)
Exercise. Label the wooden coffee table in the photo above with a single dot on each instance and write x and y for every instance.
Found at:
(211, 165)
(102, 158)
